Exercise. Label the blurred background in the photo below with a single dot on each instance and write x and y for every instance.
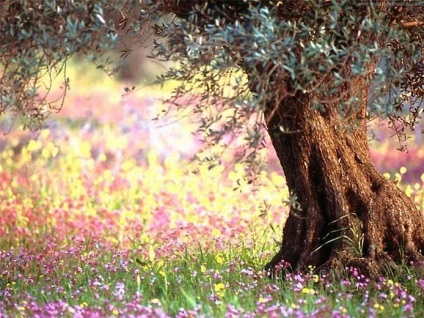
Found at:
(129, 102)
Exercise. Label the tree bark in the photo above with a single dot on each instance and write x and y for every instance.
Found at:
(347, 213)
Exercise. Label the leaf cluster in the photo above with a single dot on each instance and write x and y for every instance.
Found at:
(38, 37)
(239, 64)
(235, 60)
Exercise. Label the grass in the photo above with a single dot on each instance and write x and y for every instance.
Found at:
(102, 217)
(91, 279)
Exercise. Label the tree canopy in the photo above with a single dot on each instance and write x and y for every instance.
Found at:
(215, 44)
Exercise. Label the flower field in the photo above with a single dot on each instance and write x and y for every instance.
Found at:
(104, 214)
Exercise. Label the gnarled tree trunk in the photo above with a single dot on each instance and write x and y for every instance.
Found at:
(347, 213)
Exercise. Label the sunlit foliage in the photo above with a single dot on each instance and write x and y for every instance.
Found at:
(219, 48)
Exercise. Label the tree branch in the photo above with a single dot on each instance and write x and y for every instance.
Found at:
(412, 24)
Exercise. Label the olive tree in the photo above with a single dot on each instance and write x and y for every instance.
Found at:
(307, 73)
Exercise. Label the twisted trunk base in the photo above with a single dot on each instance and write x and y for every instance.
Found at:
(347, 213)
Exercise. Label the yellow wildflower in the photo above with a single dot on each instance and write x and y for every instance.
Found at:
(308, 291)
(262, 300)
(379, 307)
(219, 259)
(220, 289)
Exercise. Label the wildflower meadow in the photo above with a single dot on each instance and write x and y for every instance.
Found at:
(104, 213)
